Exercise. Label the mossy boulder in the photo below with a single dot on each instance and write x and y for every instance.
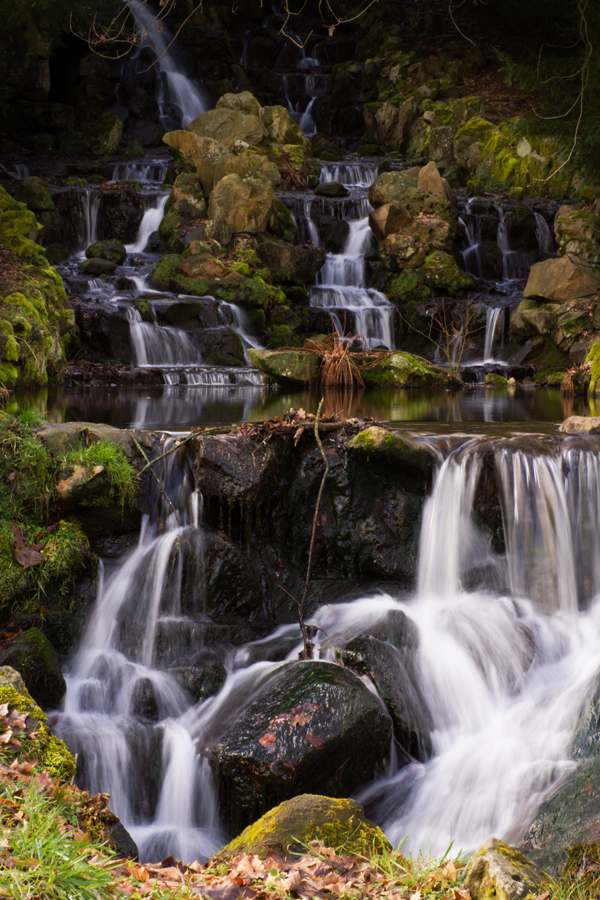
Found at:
(103, 136)
(402, 370)
(560, 279)
(390, 186)
(38, 742)
(228, 126)
(290, 264)
(286, 366)
(98, 268)
(381, 446)
(313, 726)
(280, 126)
(289, 827)
(442, 272)
(389, 219)
(502, 872)
(112, 250)
(36, 660)
(244, 102)
(491, 379)
(35, 194)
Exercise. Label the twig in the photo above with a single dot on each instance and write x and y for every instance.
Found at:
(174, 449)
(308, 645)
(160, 484)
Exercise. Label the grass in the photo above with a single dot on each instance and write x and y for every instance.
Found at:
(116, 464)
(26, 470)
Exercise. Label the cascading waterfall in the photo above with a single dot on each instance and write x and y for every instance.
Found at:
(239, 321)
(472, 226)
(514, 263)
(123, 703)
(341, 283)
(353, 174)
(153, 215)
(503, 668)
(179, 98)
(146, 173)
(90, 207)
(494, 322)
(543, 235)
(158, 345)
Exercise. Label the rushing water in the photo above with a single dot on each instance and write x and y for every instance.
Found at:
(509, 646)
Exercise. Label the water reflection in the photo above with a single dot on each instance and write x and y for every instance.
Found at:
(179, 407)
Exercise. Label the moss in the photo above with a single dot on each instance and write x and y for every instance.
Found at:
(593, 357)
(493, 380)
(39, 744)
(404, 370)
(339, 824)
(441, 271)
(163, 268)
(403, 286)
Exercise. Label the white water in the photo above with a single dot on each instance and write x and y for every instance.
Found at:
(235, 317)
(515, 264)
(88, 223)
(494, 322)
(179, 98)
(543, 235)
(153, 216)
(158, 345)
(504, 668)
(146, 173)
(341, 283)
(355, 174)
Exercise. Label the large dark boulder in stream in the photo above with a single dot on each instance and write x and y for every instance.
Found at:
(289, 264)
(229, 469)
(112, 250)
(36, 660)
(312, 727)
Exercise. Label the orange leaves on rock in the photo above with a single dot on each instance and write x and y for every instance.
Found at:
(315, 740)
(302, 718)
(267, 739)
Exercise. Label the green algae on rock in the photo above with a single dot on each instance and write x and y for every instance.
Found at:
(498, 871)
(286, 365)
(36, 660)
(402, 370)
(380, 444)
(339, 824)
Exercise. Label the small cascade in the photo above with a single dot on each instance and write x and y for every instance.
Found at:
(235, 317)
(514, 264)
(179, 98)
(123, 704)
(341, 283)
(472, 226)
(153, 216)
(17, 170)
(543, 235)
(493, 323)
(146, 173)
(353, 174)
(211, 376)
(88, 224)
(158, 346)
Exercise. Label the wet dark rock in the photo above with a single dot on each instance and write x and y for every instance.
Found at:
(36, 660)
(112, 250)
(104, 330)
(229, 469)
(232, 583)
(122, 842)
(99, 268)
(313, 726)
(333, 232)
(393, 673)
(184, 311)
(331, 189)
(202, 679)
(289, 264)
(143, 700)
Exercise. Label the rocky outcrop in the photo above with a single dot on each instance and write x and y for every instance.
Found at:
(499, 870)
(560, 280)
(36, 660)
(312, 725)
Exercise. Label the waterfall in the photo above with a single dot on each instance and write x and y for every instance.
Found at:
(494, 318)
(543, 235)
(514, 263)
(123, 705)
(151, 219)
(354, 175)
(235, 317)
(179, 99)
(470, 255)
(90, 207)
(156, 345)
(146, 173)
(341, 283)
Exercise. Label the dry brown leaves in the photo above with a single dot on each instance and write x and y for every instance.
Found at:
(11, 274)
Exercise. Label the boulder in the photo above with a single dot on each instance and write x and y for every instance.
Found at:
(228, 126)
(390, 447)
(289, 827)
(203, 678)
(389, 219)
(560, 279)
(244, 102)
(111, 250)
(289, 264)
(233, 585)
(402, 370)
(36, 660)
(35, 194)
(286, 366)
(243, 205)
(580, 425)
(390, 186)
(211, 160)
(578, 237)
(280, 126)
(313, 726)
(403, 251)
(431, 181)
(394, 674)
(503, 872)
(324, 148)
(331, 189)
(442, 272)
(98, 268)
(187, 188)
(230, 469)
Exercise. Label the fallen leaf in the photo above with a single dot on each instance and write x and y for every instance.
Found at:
(317, 743)
(267, 739)
(5, 738)
(139, 872)
(301, 719)
(4, 709)
(416, 896)
(450, 871)
(466, 895)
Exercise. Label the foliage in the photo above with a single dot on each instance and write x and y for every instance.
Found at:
(26, 470)
(116, 465)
